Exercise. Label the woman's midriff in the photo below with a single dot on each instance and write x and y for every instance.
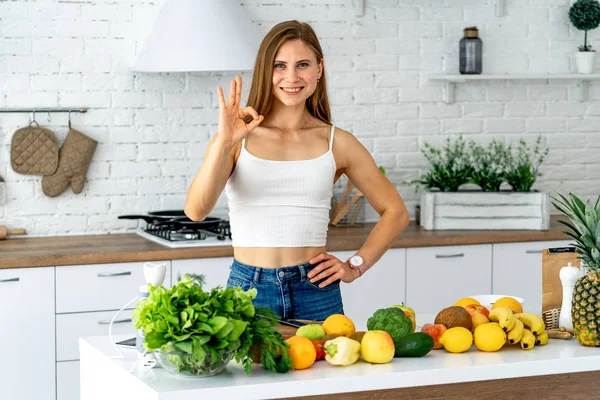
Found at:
(275, 257)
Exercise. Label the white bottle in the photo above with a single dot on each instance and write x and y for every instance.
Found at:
(568, 277)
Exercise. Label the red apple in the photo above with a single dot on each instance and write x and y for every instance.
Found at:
(476, 308)
(435, 331)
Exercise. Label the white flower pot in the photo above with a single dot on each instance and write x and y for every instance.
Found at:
(585, 61)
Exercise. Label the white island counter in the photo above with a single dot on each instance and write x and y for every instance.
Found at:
(562, 367)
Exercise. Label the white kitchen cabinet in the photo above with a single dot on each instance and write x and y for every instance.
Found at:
(438, 276)
(383, 285)
(99, 287)
(70, 327)
(27, 333)
(215, 270)
(517, 271)
(67, 380)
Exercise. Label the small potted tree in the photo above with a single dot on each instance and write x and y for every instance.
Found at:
(585, 16)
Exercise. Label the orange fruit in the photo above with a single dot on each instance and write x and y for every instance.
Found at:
(302, 351)
(465, 301)
(339, 324)
(508, 302)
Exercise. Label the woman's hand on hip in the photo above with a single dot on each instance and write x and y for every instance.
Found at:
(232, 127)
(332, 268)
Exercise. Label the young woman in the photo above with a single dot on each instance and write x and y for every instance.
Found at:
(277, 160)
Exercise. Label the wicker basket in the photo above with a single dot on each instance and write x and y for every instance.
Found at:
(551, 318)
(355, 215)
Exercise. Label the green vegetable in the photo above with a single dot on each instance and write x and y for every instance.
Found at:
(416, 344)
(200, 323)
(393, 321)
(342, 351)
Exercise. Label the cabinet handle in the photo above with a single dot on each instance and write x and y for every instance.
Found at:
(9, 280)
(119, 321)
(450, 255)
(107, 274)
(533, 251)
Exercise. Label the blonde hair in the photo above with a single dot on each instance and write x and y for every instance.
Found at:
(261, 88)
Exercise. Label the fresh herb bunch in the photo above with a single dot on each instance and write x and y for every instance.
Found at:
(488, 165)
(449, 168)
(522, 170)
(199, 322)
(585, 16)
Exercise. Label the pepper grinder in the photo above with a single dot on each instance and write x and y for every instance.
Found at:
(568, 277)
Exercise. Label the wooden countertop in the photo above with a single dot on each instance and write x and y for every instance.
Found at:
(129, 247)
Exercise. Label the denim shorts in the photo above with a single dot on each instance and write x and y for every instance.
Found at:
(288, 291)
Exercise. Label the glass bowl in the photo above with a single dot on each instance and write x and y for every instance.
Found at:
(183, 364)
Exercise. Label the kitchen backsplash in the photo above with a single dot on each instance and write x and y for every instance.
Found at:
(152, 129)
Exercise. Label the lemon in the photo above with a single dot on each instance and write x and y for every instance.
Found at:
(489, 337)
(457, 339)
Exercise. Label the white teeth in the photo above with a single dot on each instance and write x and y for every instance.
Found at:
(291, 90)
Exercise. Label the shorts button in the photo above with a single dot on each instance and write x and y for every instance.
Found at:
(281, 274)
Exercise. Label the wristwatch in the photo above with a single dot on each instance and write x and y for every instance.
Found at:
(358, 263)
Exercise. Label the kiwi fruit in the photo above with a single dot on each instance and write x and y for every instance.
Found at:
(358, 336)
(331, 336)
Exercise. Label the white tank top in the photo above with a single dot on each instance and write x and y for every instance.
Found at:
(280, 203)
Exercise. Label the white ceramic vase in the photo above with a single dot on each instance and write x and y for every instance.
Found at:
(585, 61)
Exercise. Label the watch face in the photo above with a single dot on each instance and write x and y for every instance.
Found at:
(356, 261)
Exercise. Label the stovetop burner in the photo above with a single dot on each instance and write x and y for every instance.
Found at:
(175, 232)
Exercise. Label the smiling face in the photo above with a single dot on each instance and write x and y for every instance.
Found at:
(295, 73)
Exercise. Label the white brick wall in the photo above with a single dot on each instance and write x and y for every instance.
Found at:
(153, 129)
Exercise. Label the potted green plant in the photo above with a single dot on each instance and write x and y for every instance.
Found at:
(488, 164)
(585, 16)
(522, 168)
(449, 167)
(445, 205)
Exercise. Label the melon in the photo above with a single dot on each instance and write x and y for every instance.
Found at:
(454, 316)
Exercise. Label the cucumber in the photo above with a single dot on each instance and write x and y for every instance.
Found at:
(414, 345)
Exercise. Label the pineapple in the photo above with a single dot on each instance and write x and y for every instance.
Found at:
(585, 230)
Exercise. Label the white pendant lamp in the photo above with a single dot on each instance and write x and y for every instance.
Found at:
(200, 35)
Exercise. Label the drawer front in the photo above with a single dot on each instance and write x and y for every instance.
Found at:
(518, 271)
(99, 287)
(215, 270)
(438, 276)
(69, 327)
(67, 380)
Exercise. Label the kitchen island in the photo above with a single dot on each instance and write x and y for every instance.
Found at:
(561, 369)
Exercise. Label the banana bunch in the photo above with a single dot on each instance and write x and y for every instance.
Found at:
(524, 328)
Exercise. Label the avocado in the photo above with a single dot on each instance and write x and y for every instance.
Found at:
(414, 345)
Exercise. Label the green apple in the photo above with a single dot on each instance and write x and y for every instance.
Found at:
(311, 331)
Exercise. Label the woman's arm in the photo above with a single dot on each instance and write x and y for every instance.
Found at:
(381, 195)
(353, 159)
(210, 181)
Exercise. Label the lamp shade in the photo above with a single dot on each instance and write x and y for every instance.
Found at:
(200, 35)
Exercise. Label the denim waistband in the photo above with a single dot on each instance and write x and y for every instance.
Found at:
(257, 274)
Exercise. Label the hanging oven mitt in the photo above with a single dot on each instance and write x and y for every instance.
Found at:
(34, 151)
(74, 160)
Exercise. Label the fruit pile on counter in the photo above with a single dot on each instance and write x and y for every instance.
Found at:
(197, 332)
(467, 322)
(391, 333)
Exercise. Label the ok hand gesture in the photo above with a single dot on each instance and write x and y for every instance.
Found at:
(232, 127)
